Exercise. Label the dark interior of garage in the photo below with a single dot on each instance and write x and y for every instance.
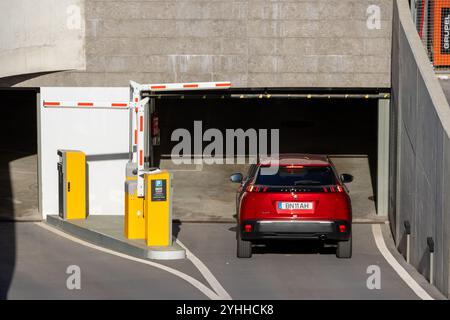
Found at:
(18, 136)
(346, 129)
(18, 125)
(321, 126)
(328, 126)
(18, 131)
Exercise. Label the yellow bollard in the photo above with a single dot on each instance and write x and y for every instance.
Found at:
(134, 226)
(72, 184)
(158, 208)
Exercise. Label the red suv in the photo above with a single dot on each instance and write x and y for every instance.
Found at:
(293, 196)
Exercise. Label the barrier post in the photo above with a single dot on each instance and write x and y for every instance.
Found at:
(430, 243)
(408, 240)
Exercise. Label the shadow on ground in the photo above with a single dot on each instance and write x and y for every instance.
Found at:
(294, 247)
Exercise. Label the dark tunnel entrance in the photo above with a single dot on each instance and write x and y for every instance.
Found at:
(18, 129)
(345, 129)
(18, 173)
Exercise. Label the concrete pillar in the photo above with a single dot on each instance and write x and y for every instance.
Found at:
(39, 151)
(383, 157)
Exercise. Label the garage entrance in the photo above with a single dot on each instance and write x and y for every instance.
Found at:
(341, 123)
(18, 154)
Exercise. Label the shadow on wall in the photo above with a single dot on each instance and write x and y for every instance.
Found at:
(13, 80)
(18, 179)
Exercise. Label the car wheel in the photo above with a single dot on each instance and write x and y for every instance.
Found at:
(344, 249)
(244, 248)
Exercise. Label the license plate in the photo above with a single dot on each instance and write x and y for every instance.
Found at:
(296, 206)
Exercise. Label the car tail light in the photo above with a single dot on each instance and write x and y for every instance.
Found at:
(333, 188)
(253, 188)
(342, 228)
(294, 166)
(248, 228)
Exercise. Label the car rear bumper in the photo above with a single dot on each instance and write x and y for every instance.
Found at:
(295, 229)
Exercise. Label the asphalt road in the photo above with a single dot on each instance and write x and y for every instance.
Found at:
(34, 261)
(41, 259)
(296, 271)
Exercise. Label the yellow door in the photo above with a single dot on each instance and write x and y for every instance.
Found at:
(75, 185)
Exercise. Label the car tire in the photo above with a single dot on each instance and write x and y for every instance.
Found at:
(244, 248)
(344, 249)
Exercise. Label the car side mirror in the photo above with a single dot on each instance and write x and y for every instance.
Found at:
(236, 177)
(346, 178)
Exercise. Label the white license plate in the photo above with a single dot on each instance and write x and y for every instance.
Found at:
(295, 205)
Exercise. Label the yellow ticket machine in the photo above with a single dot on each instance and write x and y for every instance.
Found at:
(158, 208)
(72, 184)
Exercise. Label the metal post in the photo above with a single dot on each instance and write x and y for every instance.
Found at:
(149, 154)
(430, 244)
(383, 157)
(141, 129)
(408, 240)
(39, 151)
(134, 99)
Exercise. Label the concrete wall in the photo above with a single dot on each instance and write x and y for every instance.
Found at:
(420, 163)
(41, 37)
(253, 43)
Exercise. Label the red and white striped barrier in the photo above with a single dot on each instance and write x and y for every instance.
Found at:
(85, 104)
(186, 86)
(149, 87)
(137, 114)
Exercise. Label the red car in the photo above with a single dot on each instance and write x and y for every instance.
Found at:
(304, 199)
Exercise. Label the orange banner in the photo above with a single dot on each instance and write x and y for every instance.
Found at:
(441, 33)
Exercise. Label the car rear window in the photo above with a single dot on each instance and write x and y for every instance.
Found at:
(298, 176)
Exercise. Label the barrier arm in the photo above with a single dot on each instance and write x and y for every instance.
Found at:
(139, 119)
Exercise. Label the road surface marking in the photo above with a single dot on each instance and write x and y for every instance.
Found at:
(194, 282)
(213, 282)
(379, 240)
